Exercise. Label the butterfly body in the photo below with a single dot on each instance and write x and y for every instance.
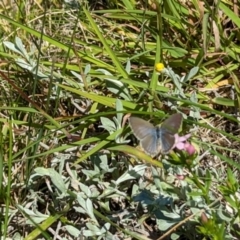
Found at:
(156, 139)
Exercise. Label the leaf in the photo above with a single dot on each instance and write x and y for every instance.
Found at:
(164, 224)
(80, 210)
(35, 216)
(104, 163)
(89, 208)
(56, 178)
(87, 69)
(85, 189)
(176, 80)
(230, 14)
(128, 66)
(21, 47)
(23, 64)
(119, 107)
(91, 173)
(191, 74)
(118, 88)
(93, 230)
(223, 215)
(31, 68)
(78, 76)
(35, 234)
(195, 113)
(108, 124)
(133, 173)
(81, 201)
(12, 47)
(73, 231)
(224, 101)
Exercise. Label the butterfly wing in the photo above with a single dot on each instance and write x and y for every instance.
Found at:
(167, 130)
(166, 140)
(150, 144)
(173, 123)
(140, 127)
(146, 133)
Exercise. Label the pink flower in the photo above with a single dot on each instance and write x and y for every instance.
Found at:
(182, 144)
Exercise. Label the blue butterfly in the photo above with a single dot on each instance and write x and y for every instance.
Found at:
(157, 139)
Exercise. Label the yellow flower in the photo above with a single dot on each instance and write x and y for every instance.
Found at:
(159, 67)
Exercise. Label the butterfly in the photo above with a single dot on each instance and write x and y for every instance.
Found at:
(159, 139)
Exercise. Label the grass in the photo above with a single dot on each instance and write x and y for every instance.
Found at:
(71, 75)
